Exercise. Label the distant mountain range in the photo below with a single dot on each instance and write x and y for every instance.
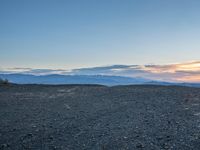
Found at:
(72, 79)
(109, 75)
(85, 79)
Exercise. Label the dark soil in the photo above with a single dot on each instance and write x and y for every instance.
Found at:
(76, 117)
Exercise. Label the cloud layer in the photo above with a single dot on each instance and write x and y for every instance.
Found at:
(181, 72)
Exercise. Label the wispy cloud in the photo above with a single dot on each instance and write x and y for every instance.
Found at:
(33, 71)
(180, 72)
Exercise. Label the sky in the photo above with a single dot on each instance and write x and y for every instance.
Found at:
(69, 34)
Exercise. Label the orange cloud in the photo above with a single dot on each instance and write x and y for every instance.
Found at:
(181, 72)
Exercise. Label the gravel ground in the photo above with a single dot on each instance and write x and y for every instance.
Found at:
(76, 117)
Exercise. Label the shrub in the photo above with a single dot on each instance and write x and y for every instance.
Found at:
(4, 81)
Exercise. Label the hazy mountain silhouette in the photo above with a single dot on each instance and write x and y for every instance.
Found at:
(72, 79)
(85, 79)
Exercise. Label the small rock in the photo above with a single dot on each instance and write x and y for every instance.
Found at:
(137, 136)
(34, 126)
(5, 145)
(166, 146)
(29, 134)
(51, 137)
(14, 129)
(140, 145)
(168, 138)
(159, 138)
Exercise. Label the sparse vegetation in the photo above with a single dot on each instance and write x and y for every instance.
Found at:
(4, 81)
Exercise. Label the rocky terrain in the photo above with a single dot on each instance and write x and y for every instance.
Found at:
(76, 117)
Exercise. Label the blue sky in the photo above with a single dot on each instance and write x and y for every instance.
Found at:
(62, 34)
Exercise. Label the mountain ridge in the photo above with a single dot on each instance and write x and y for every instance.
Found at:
(72, 79)
(107, 80)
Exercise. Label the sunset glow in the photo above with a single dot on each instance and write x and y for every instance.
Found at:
(156, 40)
(177, 72)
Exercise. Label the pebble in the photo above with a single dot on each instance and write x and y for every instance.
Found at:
(14, 129)
(29, 134)
(5, 145)
(51, 137)
(34, 126)
(140, 145)
(37, 130)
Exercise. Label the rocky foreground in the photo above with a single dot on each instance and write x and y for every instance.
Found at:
(76, 117)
